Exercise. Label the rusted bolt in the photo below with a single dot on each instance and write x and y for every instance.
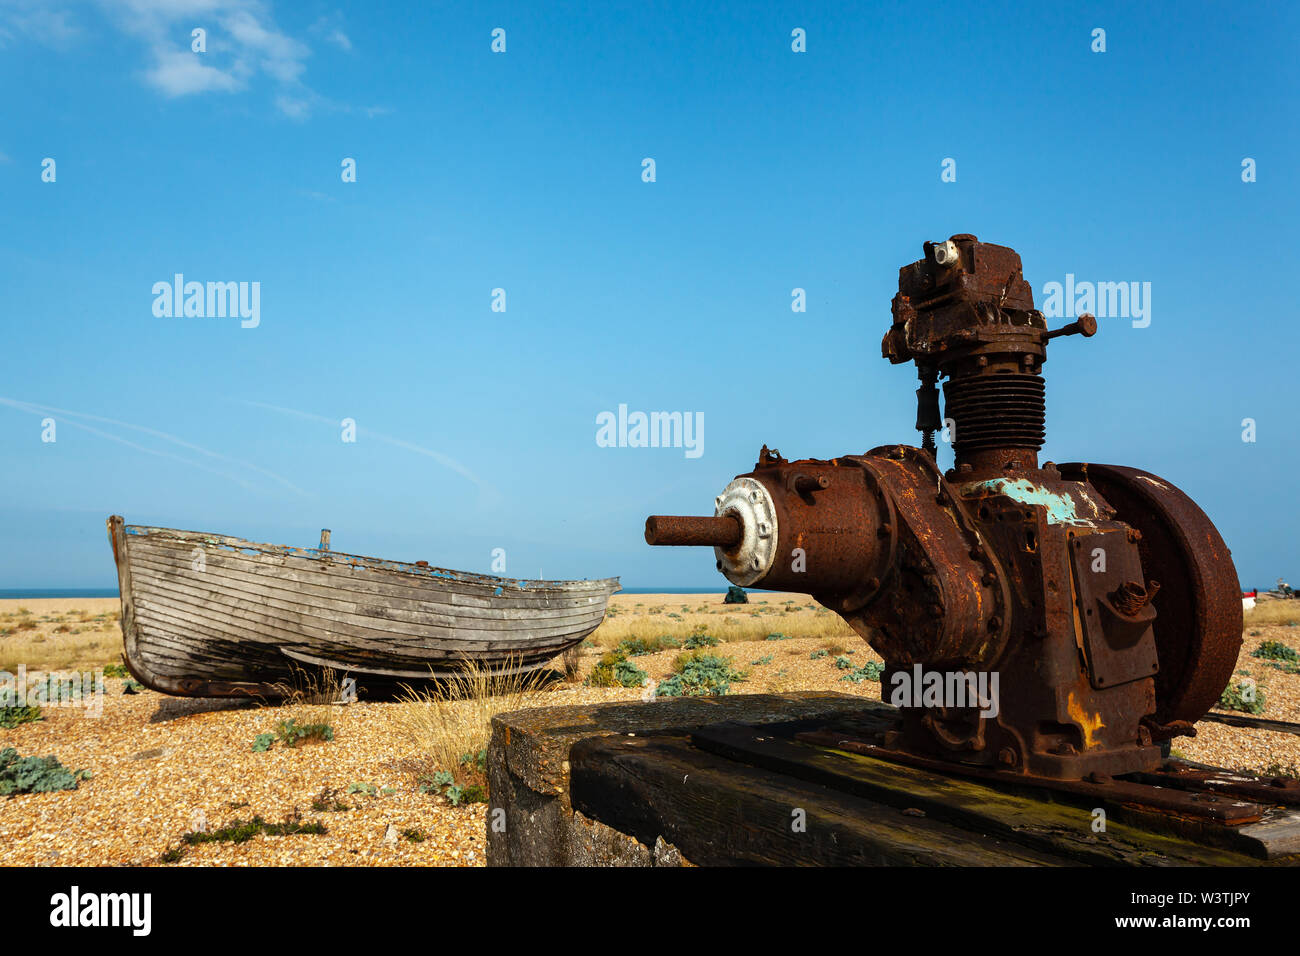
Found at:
(1007, 757)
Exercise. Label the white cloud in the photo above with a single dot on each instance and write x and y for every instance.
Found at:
(39, 21)
(330, 29)
(243, 43)
(293, 107)
(278, 55)
(180, 74)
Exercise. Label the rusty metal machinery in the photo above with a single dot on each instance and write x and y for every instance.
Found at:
(1097, 601)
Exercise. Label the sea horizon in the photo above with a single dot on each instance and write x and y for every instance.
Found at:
(10, 594)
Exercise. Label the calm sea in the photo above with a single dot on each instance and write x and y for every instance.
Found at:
(721, 590)
(33, 593)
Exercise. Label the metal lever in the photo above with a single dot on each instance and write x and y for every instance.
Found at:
(1085, 325)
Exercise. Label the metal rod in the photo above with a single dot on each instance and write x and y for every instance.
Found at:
(691, 531)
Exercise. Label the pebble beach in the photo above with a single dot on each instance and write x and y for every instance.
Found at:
(161, 768)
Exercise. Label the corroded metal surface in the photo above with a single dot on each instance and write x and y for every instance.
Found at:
(1100, 598)
(1199, 614)
(712, 532)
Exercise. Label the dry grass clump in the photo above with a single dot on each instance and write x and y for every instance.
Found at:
(313, 696)
(1284, 611)
(453, 719)
(79, 652)
(57, 636)
(728, 623)
(572, 661)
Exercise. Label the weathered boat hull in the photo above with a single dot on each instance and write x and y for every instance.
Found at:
(207, 615)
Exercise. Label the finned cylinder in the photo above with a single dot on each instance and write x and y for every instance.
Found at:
(995, 411)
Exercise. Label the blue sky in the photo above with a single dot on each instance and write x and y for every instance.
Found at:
(522, 171)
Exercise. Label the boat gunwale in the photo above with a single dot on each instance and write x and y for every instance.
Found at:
(521, 585)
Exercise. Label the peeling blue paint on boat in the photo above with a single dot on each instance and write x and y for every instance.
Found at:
(1061, 508)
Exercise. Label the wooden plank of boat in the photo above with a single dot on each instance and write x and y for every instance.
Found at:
(213, 615)
(405, 675)
(360, 623)
(310, 574)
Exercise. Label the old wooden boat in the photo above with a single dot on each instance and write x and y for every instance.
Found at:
(207, 615)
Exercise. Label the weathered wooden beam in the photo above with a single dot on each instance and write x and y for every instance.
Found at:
(723, 781)
(530, 820)
(1278, 836)
(1255, 723)
(1042, 822)
(721, 813)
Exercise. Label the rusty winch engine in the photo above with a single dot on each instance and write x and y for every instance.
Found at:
(1055, 620)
